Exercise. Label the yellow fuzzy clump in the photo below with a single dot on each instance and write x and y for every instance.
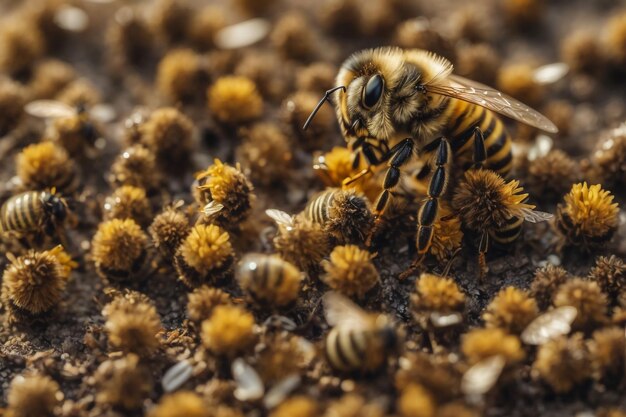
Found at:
(512, 310)
(203, 300)
(350, 270)
(588, 299)
(118, 244)
(435, 293)
(416, 401)
(123, 382)
(181, 404)
(228, 331)
(235, 99)
(33, 395)
(447, 235)
(207, 248)
(45, 165)
(300, 406)
(479, 344)
(128, 202)
(179, 74)
(563, 362)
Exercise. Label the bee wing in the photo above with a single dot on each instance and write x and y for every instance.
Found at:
(280, 217)
(535, 216)
(550, 73)
(554, 323)
(340, 311)
(104, 113)
(481, 377)
(473, 92)
(212, 208)
(49, 109)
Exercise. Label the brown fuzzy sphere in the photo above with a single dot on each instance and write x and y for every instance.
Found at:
(282, 356)
(479, 344)
(484, 201)
(170, 19)
(418, 33)
(33, 396)
(204, 25)
(135, 166)
(265, 153)
(416, 401)
(609, 159)
(295, 111)
(181, 404)
(132, 325)
(582, 51)
(49, 78)
(435, 373)
(588, 299)
(123, 382)
(205, 254)
(561, 113)
(254, 7)
(317, 77)
(350, 271)
(34, 283)
(340, 17)
(128, 202)
(203, 300)
(563, 362)
(119, 248)
(46, 165)
(234, 99)
(270, 74)
(610, 274)
(21, 44)
(168, 229)
(80, 92)
(293, 36)
(229, 330)
(437, 294)
(269, 280)
(479, 62)
(523, 13)
(180, 76)
(354, 405)
(517, 81)
(552, 175)
(128, 38)
(470, 23)
(169, 133)
(304, 243)
(606, 350)
(381, 17)
(615, 40)
(512, 310)
(12, 100)
(71, 133)
(298, 405)
(545, 284)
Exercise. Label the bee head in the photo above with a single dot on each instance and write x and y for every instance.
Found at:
(56, 206)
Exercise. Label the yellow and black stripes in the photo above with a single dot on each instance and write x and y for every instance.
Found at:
(23, 212)
(508, 232)
(318, 209)
(346, 349)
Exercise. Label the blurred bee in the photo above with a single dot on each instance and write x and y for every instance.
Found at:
(33, 212)
(358, 341)
(397, 106)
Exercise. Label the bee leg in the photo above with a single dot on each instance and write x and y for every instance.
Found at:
(412, 269)
(482, 250)
(436, 188)
(480, 151)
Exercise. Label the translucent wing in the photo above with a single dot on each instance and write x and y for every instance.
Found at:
(103, 112)
(280, 217)
(212, 208)
(554, 323)
(49, 109)
(481, 377)
(489, 98)
(535, 216)
(340, 311)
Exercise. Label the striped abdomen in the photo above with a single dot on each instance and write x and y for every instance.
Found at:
(24, 212)
(347, 349)
(269, 278)
(318, 209)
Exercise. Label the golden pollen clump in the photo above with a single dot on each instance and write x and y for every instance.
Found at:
(316, 77)
(49, 78)
(268, 72)
(21, 44)
(606, 350)
(610, 274)
(33, 284)
(304, 243)
(588, 217)
(128, 202)
(437, 294)
(168, 229)
(12, 100)
(181, 404)
(168, 133)
(118, 248)
(45, 165)
(282, 357)
(419, 34)
(582, 51)
(435, 373)
(299, 405)
(479, 62)
(128, 38)
(179, 75)
(136, 166)
(563, 362)
(203, 300)
(71, 133)
(552, 175)
(588, 299)
(234, 99)
(447, 235)
(123, 382)
(485, 201)
(479, 344)
(354, 405)
(171, 19)
(204, 25)
(350, 271)
(517, 81)
(80, 92)
(295, 111)
(512, 310)
(545, 283)
(133, 325)
(293, 37)
(608, 161)
(205, 254)
(33, 396)
(227, 186)
(416, 401)
(265, 153)
(228, 331)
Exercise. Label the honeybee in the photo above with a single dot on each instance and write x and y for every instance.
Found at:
(358, 341)
(33, 212)
(396, 107)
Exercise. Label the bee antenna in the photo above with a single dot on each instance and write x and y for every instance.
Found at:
(319, 105)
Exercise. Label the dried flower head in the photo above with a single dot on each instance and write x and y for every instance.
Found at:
(340, 17)
(171, 19)
(269, 279)
(128, 38)
(479, 344)
(479, 62)
(561, 113)
(49, 78)
(299, 405)
(168, 133)
(607, 353)
(80, 92)
(552, 175)
(123, 382)
(589, 217)
(282, 356)
(416, 401)
(610, 274)
(119, 249)
(180, 76)
(205, 255)
(609, 159)
(33, 396)
(136, 166)
(381, 17)
(545, 283)
(418, 33)
(588, 299)
(303, 243)
(45, 165)
(523, 13)
(350, 271)
(447, 235)
(295, 111)
(181, 404)
(132, 325)
(293, 37)
(228, 331)
(168, 229)
(205, 23)
(354, 405)
(203, 300)
(268, 71)
(563, 362)
(582, 51)
(254, 7)
(437, 374)
(21, 44)
(33, 284)
(470, 24)
(265, 153)
(74, 133)
(318, 76)
(485, 201)
(517, 81)
(437, 294)
(512, 310)
(128, 202)
(234, 99)
(615, 39)
(12, 100)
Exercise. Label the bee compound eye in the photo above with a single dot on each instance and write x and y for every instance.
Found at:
(373, 91)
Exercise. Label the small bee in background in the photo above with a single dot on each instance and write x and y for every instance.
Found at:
(358, 341)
